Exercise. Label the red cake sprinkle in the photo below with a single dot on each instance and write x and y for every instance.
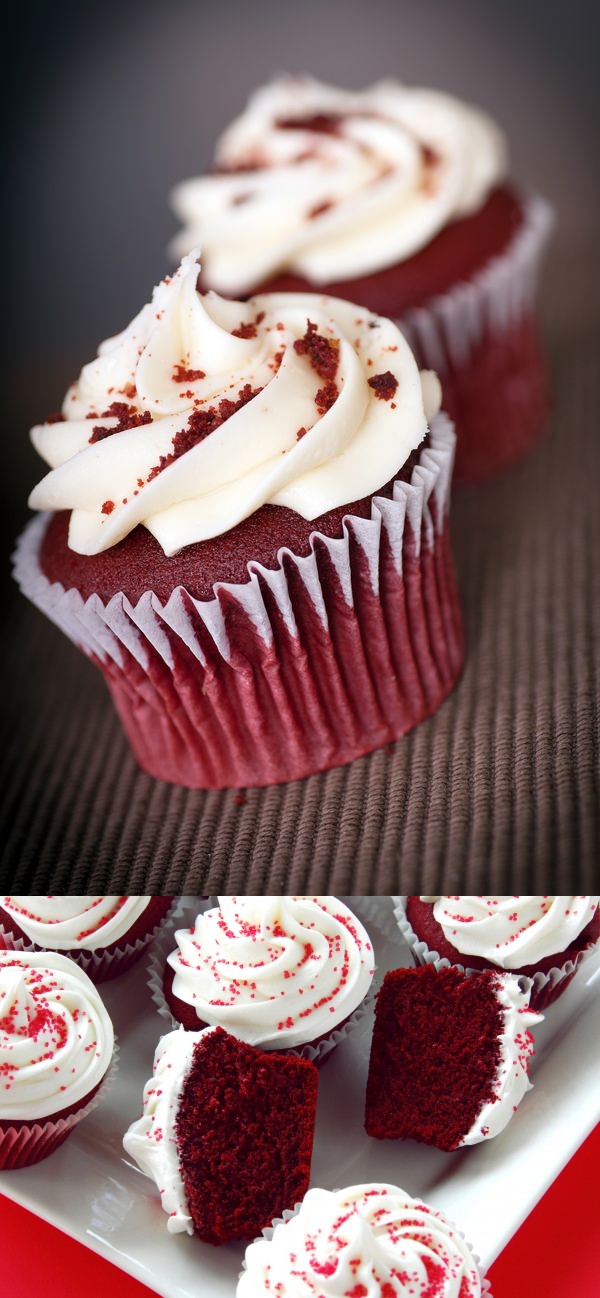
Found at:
(200, 424)
(107, 507)
(301, 433)
(319, 209)
(182, 374)
(244, 1131)
(384, 385)
(322, 352)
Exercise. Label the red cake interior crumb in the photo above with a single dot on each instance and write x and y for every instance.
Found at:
(435, 1055)
(245, 1130)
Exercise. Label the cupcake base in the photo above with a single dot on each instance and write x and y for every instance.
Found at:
(22, 1144)
(300, 668)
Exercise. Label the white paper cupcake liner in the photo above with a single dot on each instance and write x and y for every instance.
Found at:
(316, 1053)
(290, 1213)
(543, 987)
(98, 965)
(300, 668)
(30, 1143)
(448, 327)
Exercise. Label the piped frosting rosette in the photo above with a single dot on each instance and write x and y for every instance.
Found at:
(198, 414)
(283, 973)
(510, 934)
(57, 1053)
(371, 1240)
(332, 184)
(104, 935)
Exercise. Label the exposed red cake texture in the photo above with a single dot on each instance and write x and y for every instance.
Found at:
(456, 254)
(435, 1055)
(421, 918)
(244, 1130)
(138, 563)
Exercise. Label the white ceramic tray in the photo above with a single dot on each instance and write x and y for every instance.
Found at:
(89, 1189)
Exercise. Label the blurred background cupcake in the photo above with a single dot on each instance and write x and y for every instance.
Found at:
(542, 938)
(247, 530)
(105, 935)
(396, 199)
(283, 973)
(56, 1050)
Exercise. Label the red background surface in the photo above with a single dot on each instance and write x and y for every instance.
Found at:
(555, 1254)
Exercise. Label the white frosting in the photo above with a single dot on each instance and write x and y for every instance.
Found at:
(330, 205)
(281, 447)
(516, 1046)
(368, 1240)
(56, 1039)
(512, 931)
(274, 971)
(75, 923)
(151, 1140)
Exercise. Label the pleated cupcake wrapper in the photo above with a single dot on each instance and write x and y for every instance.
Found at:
(543, 987)
(290, 1213)
(298, 669)
(315, 1053)
(481, 338)
(100, 966)
(29, 1143)
(448, 327)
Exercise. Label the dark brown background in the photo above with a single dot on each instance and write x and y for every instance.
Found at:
(109, 106)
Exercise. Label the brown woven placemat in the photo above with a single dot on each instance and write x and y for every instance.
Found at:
(500, 789)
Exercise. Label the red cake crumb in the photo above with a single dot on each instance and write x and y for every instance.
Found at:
(435, 1055)
(182, 374)
(384, 385)
(107, 507)
(200, 424)
(322, 352)
(244, 1131)
(127, 418)
(325, 397)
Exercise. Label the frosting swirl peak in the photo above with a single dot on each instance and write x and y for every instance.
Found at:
(203, 410)
(278, 971)
(369, 1240)
(332, 184)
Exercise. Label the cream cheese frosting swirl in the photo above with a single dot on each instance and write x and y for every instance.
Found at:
(75, 923)
(151, 1140)
(370, 1240)
(334, 184)
(56, 1038)
(274, 971)
(203, 410)
(512, 931)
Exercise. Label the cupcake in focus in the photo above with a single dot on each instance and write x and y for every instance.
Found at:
(542, 938)
(368, 1239)
(105, 935)
(450, 1056)
(56, 1048)
(248, 534)
(226, 1133)
(283, 973)
(397, 199)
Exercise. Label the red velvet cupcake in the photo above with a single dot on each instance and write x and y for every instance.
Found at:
(396, 199)
(56, 1053)
(249, 534)
(105, 935)
(449, 1057)
(226, 1133)
(544, 939)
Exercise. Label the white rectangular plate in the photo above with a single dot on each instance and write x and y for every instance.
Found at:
(89, 1189)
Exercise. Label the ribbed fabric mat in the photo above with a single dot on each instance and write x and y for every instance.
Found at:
(500, 789)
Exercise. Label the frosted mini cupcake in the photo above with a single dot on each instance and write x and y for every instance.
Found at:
(543, 938)
(366, 1240)
(284, 973)
(105, 935)
(249, 534)
(56, 1047)
(398, 199)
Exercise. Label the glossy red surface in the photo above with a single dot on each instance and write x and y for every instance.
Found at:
(554, 1254)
